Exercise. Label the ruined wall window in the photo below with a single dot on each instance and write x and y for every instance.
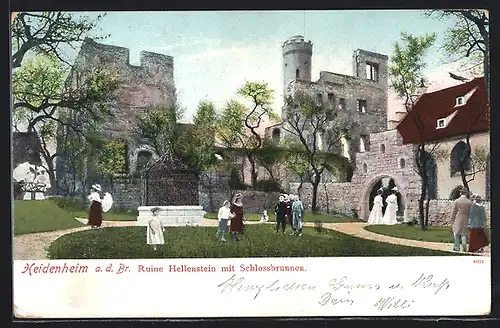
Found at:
(402, 163)
(297, 73)
(331, 99)
(345, 147)
(365, 168)
(382, 148)
(143, 158)
(319, 98)
(363, 143)
(276, 137)
(319, 141)
(458, 158)
(371, 71)
(431, 175)
(342, 105)
(361, 105)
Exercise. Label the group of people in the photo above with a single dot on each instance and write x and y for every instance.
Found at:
(390, 216)
(469, 216)
(231, 213)
(289, 209)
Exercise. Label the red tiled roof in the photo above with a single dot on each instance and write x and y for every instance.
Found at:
(419, 125)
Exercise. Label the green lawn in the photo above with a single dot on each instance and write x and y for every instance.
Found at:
(413, 232)
(110, 216)
(40, 216)
(308, 217)
(200, 242)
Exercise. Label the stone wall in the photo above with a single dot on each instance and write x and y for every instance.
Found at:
(213, 190)
(382, 160)
(257, 201)
(126, 191)
(440, 212)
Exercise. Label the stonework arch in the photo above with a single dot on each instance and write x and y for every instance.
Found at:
(370, 183)
(135, 153)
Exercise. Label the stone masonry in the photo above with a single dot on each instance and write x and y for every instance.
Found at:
(141, 87)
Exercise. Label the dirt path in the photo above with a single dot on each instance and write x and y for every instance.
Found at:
(33, 246)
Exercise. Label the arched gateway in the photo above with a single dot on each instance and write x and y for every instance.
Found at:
(384, 181)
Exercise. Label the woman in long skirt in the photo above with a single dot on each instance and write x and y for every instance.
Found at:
(95, 211)
(477, 217)
(376, 212)
(236, 227)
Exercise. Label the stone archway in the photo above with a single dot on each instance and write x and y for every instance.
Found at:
(365, 199)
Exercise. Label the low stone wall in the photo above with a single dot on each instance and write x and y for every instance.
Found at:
(335, 197)
(440, 212)
(257, 201)
(343, 198)
(126, 193)
(213, 190)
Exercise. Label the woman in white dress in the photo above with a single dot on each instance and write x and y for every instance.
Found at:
(376, 212)
(390, 215)
(155, 230)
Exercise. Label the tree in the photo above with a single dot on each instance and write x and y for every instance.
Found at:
(200, 141)
(308, 122)
(296, 161)
(468, 39)
(406, 74)
(43, 101)
(159, 125)
(48, 32)
(239, 124)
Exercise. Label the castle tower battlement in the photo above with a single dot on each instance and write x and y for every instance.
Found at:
(297, 59)
(111, 55)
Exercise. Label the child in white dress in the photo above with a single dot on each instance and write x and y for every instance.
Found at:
(265, 217)
(155, 230)
(224, 215)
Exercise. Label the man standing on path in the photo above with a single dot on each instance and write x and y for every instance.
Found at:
(280, 212)
(460, 220)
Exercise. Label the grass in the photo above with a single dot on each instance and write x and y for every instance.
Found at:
(200, 242)
(413, 232)
(109, 216)
(308, 217)
(32, 216)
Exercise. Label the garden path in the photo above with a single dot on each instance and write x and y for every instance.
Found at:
(34, 245)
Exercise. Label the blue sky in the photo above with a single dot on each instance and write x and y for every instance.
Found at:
(215, 52)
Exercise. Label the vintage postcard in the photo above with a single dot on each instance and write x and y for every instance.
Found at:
(217, 163)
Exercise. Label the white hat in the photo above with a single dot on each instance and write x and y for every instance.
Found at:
(97, 187)
(395, 189)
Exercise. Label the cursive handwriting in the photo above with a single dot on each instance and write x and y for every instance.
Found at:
(391, 302)
(237, 284)
(342, 283)
(428, 281)
(327, 299)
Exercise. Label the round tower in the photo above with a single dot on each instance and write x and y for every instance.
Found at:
(297, 57)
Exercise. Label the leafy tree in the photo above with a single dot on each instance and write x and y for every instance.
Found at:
(199, 143)
(296, 161)
(159, 125)
(239, 124)
(308, 122)
(468, 39)
(406, 74)
(48, 32)
(44, 101)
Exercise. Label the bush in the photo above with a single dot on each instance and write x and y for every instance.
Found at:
(200, 242)
(267, 185)
(40, 216)
(67, 203)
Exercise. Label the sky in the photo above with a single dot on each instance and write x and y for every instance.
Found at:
(216, 52)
